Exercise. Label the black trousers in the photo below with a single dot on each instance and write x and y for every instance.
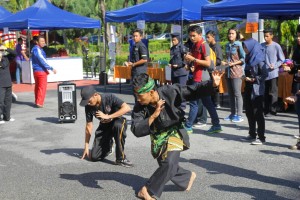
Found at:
(271, 96)
(103, 139)
(169, 169)
(255, 115)
(5, 102)
(216, 96)
(182, 81)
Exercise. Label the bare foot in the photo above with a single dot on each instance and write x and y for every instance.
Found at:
(143, 194)
(193, 176)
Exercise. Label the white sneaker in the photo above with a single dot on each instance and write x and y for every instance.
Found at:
(297, 136)
(2, 122)
(15, 97)
(199, 125)
(11, 120)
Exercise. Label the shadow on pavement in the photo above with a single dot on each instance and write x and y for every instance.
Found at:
(93, 179)
(290, 154)
(30, 104)
(220, 168)
(254, 192)
(70, 152)
(48, 119)
(74, 153)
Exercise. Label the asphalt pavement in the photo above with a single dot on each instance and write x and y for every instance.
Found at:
(40, 158)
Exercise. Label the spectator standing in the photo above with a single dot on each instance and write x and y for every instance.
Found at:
(233, 74)
(178, 71)
(215, 46)
(296, 85)
(255, 75)
(41, 70)
(5, 86)
(21, 56)
(139, 55)
(200, 60)
(177, 52)
(274, 59)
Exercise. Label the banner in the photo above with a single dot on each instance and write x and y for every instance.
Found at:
(9, 39)
(252, 23)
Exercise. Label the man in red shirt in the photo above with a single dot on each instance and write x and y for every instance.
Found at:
(200, 59)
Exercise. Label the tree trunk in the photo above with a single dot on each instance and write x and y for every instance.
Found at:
(103, 10)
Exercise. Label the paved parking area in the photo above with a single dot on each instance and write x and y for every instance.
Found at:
(40, 159)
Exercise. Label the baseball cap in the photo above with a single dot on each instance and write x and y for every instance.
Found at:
(86, 94)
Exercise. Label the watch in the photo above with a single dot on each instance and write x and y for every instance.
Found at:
(194, 60)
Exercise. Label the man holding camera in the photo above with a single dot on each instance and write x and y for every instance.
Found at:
(108, 109)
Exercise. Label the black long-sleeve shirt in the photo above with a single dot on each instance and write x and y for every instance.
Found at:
(5, 78)
(172, 114)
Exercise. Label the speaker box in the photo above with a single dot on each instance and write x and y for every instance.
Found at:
(67, 106)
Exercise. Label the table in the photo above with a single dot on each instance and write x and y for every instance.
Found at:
(125, 73)
(68, 69)
(285, 82)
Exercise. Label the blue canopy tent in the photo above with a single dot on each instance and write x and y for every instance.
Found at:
(4, 13)
(164, 11)
(267, 9)
(44, 15)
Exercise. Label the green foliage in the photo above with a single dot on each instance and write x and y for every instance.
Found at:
(288, 32)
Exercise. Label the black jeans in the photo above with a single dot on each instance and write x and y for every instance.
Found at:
(182, 81)
(103, 139)
(271, 96)
(5, 103)
(169, 170)
(255, 115)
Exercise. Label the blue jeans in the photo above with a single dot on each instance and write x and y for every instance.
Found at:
(207, 102)
(297, 106)
(18, 71)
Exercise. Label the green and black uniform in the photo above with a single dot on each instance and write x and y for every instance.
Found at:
(168, 137)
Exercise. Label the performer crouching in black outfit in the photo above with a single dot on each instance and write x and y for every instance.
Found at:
(158, 113)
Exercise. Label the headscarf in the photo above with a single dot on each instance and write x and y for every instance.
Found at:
(147, 87)
(256, 52)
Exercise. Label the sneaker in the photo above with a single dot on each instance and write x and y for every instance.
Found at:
(229, 117)
(11, 120)
(217, 106)
(188, 130)
(199, 125)
(14, 97)
(237, 119)
(2, 121)
(297, 136)
(214, 129)
(258, 142)
(124, 163)
(249, 138)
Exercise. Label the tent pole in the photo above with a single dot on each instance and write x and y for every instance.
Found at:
(181, 22)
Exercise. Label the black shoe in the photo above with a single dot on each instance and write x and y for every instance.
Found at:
(124, 163)
(273, 113)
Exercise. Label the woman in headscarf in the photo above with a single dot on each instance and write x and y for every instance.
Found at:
(255, 75)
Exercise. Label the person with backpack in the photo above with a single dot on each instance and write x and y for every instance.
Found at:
(216, 59)
(211, 40)
(201, 61)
